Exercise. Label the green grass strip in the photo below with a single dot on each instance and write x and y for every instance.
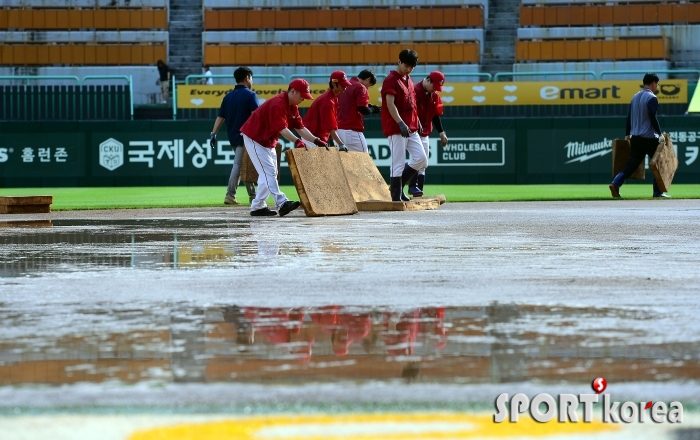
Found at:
(213, 196)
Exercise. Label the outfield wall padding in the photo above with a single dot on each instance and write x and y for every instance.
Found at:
(174, 153)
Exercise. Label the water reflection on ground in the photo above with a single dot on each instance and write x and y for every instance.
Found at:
(63, 245)
(497, 343)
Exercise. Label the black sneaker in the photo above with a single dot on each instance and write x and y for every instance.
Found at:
(661, 195)
(263, 212)
(288, 207)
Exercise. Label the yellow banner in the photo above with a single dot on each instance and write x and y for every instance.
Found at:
(203, 96)
(473, 93)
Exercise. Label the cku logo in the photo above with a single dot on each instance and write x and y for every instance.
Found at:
(111, 154)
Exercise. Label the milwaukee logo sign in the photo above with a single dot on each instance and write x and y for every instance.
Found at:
(581, 151)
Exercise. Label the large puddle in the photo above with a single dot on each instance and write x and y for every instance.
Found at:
(35, 248)
(471, 301)
(493, 344)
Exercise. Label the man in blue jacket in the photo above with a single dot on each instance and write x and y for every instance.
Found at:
(236, 108)
(644, 128)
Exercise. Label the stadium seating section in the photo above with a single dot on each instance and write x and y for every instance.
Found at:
(89, 54)
(607, 14)
(76, 19)
(114, 51)
(376, 18)
(322, 54)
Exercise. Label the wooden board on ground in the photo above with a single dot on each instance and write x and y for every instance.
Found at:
(621, 150)
(664, 163)
(27, 224)
(365, 180)
(418, 204)
(248, 172)
(440, 198)
(25, 204)
(320, 181)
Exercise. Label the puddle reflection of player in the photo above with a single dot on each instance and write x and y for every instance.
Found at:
(282, 327)
(245, 335)
(431, 325)
(352, 327)
(268, 243)
(400, 336)
(344, 327)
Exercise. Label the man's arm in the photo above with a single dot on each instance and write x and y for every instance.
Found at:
(628, 129)
(336, 138)
(391, 106)
(217, 125)
(394, 112)
(303, 133)
(212, 136)
(364, 110)
(652, 108)
(437, 122)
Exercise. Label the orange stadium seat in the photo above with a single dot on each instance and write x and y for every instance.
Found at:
(80, 54)
(323, 54)
(605, 14)
(75, 19)
(314, 18)
(656, 48)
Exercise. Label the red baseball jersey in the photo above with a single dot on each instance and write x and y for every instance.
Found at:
(321, 117)
(429, 105)
(354, 96)
(274, 115)
(405, 101)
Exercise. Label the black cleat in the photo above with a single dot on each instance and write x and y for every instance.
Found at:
(263, 212)
(288, 207)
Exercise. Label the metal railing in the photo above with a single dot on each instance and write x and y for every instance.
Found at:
(129, 80)
(227, 76)
(55, 101)
(500, 75)
(486, 75)
(324, 75)
(642, 72)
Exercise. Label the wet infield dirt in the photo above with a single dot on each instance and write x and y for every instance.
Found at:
(153, 308)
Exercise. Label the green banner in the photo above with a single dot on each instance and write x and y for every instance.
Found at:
(39, 154)
(488, 150)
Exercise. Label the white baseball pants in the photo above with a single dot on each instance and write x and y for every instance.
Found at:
(399, 145)
(425, 140)
(354, 140)
(265, 162)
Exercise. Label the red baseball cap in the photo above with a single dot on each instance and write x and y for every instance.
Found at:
(341, 78)
(438, 80)
(302, 86)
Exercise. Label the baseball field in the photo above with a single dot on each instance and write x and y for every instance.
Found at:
(211, 196)
(203, 323)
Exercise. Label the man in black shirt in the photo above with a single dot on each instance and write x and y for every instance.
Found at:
(164, 78)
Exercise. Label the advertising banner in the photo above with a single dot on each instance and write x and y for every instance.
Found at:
(158, 154)
(586, 151)
(180, 153)
(473, 93)
(42, 155)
